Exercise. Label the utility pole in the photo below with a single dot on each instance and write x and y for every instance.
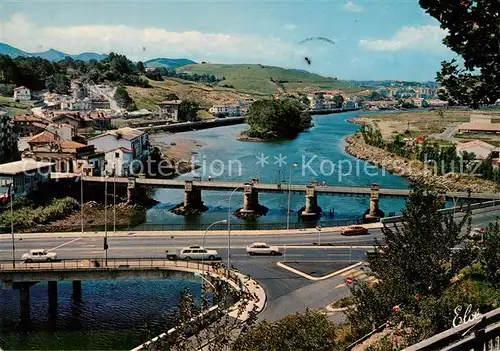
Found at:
(12, 223)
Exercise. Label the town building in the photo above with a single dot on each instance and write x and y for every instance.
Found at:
(479, 123)
(169, 110)
(118, 162)
(64, 131)
(67, 117)
(22, 94)
(25, 176)
(481, 149)
(132, 139)
(226, 110)
(49, 147)
(29, 125)
(350, 104)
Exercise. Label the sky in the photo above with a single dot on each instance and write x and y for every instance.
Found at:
(373, 40)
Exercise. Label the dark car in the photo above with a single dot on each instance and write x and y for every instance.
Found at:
(355, 230)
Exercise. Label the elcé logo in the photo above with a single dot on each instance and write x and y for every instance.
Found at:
(467, 316)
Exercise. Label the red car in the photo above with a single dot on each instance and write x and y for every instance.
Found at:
(355, 230)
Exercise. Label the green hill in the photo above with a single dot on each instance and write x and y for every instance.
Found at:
(250, 78)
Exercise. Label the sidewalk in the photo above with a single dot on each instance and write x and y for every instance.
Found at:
(178, 233)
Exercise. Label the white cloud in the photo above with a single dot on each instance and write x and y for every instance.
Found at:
(421, 38)
(19, 31)
(290, 26)
(352, 7)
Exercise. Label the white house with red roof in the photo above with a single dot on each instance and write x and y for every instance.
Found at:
(169, 110)
(22, 94)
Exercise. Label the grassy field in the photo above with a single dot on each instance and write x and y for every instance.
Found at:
(427, 123)
(260, 79)
(205, 95)
(12, 107)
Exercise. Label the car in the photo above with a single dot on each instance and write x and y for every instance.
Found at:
(477, 233)
(39, 255)
(355, 230)
(262, 249)
(197, 253)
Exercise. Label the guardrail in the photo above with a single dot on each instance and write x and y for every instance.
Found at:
(485, 334)
(112, 263)
(184, 226)
(449, 210)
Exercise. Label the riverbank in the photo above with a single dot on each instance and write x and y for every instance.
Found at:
(179, 153)
(414, 170)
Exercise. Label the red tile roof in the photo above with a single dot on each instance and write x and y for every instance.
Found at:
(69, 145)
(44, 137)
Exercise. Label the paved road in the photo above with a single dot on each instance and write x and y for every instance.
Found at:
(448, 133)
(287, 292)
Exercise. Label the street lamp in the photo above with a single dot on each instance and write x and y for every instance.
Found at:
(114, 198)
(289, 197)
(81, 198)
(106, 220)
(229, 229)
(203, 256)
(11, 195)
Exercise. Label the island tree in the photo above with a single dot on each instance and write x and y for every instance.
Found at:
(472, 33)
(276, 119)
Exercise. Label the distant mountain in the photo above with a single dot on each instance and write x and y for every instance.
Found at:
(168, 63)
(51, 54)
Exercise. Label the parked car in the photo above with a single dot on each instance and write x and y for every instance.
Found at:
(262, 249)
(355, 230)
(197, 253)
(477, 233)
(39, 255)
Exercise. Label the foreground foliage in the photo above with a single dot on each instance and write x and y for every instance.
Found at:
(472, 27)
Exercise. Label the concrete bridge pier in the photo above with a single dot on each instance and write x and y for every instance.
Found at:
(311, 209)
(77, 288)
(250, 199)
(52, 296)
(374, 213)
(131, 189)
(192, 201)
(24, 299)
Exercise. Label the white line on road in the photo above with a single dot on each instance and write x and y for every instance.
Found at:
(67, 243)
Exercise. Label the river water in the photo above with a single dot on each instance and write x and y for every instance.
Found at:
(118, 314)
(319, 155)
(110, 315)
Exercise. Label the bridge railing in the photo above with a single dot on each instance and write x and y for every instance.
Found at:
(183, 227)
(481, 334)
(112, 263)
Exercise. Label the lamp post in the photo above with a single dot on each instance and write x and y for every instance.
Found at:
(11, 190)
(114, 199)
(106, 220)
(229, 229)
(289, 197)
(202, 256)
(81, 199)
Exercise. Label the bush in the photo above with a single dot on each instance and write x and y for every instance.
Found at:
(26, 217)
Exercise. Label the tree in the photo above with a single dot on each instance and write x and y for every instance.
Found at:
(123, 99)
(58, 83)
(472, 27)
(339, 100)
(171, 96)
(140, 67)
(188, 110)
(310, 330)
(414, 259)
(491, 253)
(10, 151)
(276, 119)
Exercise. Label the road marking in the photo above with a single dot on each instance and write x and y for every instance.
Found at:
(307, 276)
(341, 285)
(67, 243)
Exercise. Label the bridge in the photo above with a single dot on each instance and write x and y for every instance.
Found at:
(22, 276)
(251, 189)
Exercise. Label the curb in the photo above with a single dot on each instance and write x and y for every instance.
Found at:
(187, 233)
(307, 276)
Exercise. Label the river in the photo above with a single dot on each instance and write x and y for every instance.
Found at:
(110, 315)
(118, 314)
(319, 154)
